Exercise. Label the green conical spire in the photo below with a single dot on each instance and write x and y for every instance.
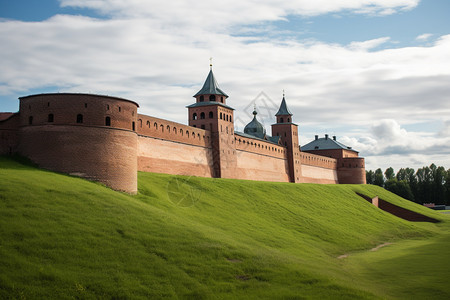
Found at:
(210, 87)
(284, 110)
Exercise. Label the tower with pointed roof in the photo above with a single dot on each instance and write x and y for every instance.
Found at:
(211, 112)
(288, 133)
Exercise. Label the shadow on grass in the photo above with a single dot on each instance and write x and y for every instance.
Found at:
(16, 162)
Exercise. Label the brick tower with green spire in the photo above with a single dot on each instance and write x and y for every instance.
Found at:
(288, 133)
(211, 112)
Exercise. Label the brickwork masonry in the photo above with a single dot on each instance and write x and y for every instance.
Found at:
(103, 138)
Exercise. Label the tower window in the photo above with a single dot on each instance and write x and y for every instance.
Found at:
(108, 121)
(30, 120)
(221, 99)
(202, 115)
(281, 120)
(80, 118)
(211, 115)
(202, 98)
(120, 109)
(194, 116)
(50, 118)
(289, 120)
(133, 126)
(85, 105)
(212, 98)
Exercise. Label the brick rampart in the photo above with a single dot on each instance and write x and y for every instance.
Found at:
(9, 138)
(351, 170)
(259, 147)
(170, 157)
(255, 166)
(107, 155)
(172, 131)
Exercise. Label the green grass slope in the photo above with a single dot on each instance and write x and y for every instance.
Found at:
(185, 237)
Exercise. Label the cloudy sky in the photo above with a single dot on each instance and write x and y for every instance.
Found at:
(375, 73)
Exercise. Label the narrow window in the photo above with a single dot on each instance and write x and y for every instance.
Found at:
(85, 105)
(212, 98)
(281, 120)
(50, 118)
(108, 121)
(202, 115)
(30, 120)
(221, 116)
(120, 109)
(227, 118)
(107, 106)
(211, 115)
(202, 98)
(289, 120)
(79, 118)
(140, 123)
(231, 119)
(203, 126)
(133, 126)
(168, 128)
(48, 104)
(221, 99)
(194, 116)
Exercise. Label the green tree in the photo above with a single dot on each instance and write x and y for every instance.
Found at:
(389, 173)
(400, 188)
(370, 177)
(424, 185)
(401, 174)
(447, 187)
(379, 178)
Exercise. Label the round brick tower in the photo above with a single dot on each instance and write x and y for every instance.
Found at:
(91, 136)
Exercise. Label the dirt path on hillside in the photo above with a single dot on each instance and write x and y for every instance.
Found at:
(373, 249)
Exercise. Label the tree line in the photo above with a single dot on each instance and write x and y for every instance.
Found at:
(426, 185)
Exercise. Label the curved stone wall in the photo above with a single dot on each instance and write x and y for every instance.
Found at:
(101, 145)
(351, 170)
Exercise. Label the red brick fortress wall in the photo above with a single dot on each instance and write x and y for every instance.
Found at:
(351, 170)
(90, 136)
(260, 160)
(9, 138)
(318, 169)
(173, 148)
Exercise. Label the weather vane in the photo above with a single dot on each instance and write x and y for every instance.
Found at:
(210, 62)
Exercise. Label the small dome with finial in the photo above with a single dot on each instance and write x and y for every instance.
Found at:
(255, 128)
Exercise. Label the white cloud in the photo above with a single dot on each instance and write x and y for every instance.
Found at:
(228, 12)
(158, 56)
(424, 37)
(388, 144)
(367, 45)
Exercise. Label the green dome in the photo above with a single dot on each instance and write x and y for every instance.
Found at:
(255, 128)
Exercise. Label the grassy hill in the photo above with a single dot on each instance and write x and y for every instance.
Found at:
(185, 237)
